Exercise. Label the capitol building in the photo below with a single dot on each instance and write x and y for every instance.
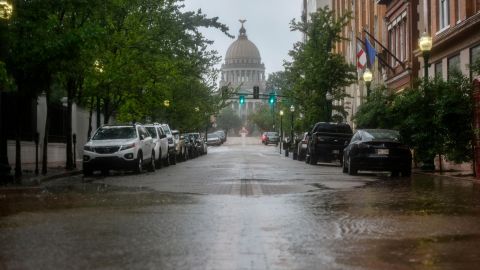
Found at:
(243, 68)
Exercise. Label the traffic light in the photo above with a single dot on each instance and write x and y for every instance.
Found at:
(256, 92)
(242, 100)
(272, 98)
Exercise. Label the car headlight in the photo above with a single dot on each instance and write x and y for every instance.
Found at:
(127, 146)
(88, 148)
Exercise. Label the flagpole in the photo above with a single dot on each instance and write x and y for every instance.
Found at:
(384, 48)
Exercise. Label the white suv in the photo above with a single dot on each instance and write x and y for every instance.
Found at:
(160, 142)
(119, 147)
(171, 143)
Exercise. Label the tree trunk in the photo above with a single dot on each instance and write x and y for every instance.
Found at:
(69, 153)
(89, 132)
(45, 137)
(106, 108)
(18, 137)
(99, 123)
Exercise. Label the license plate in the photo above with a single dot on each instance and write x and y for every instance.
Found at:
(335, 151)
(383, 152)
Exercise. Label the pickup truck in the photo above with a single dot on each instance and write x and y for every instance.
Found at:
(326, 142)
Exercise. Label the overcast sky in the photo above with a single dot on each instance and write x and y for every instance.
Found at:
(268, 26)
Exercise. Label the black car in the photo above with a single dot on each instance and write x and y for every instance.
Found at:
(377, 150)
(326, 142)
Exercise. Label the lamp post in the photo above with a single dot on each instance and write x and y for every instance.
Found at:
(281, 130)
(367, 77)
(425, 43)
(329, 98)
(6, 11)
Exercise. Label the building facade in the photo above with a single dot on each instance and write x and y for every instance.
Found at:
(454, 26)
(243, 70)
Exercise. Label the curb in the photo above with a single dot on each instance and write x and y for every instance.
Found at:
(467, 178)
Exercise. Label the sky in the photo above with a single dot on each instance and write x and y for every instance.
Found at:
(268, 26)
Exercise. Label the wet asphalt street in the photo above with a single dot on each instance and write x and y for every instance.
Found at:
(242, 206)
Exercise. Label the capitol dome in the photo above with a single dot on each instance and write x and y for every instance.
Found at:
(242, 50)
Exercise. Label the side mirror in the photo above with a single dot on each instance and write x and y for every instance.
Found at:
(142, 137)
(163, 136)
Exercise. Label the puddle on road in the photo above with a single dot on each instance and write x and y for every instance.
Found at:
(80, 195)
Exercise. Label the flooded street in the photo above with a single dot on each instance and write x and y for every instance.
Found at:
(242, 207)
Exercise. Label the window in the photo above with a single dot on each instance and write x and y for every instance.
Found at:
(474, 56)
(443, 14)
(453, 64)
(438, 70)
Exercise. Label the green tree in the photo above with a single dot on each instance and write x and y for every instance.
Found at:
(228, 120)
(315, 69)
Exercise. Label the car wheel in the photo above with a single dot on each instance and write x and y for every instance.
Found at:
(352, 170)
(344, 167)
(407, 172)
(394, 174)
(87, 172)
(151, 165)
(313, 160)
(173, 160)
(158, 162)
(166, 162)
(139, 164)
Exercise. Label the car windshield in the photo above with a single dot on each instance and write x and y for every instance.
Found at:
(115, 133)
(212, 136)
(333, 128)
(382, 134)
(272, 134)
(152, 132)
(167, 130)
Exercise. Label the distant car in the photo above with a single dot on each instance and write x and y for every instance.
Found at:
(377, 150)
(119, 147)
(270, 137)
(162, 156)
(213, 139)
(302, 147)
(180, 146)
(222, 135)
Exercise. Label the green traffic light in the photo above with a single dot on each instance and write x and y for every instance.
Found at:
(242, 100)
(271, 100)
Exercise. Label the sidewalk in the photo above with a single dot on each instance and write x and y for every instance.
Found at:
(29, 178)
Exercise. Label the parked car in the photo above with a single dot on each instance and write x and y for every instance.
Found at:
(302, 147)
(171, 144)
(222, 134)
(213, 139)
(199, 142)
(191, 145)
(270, 137)
(180, 146)
(160, 140)
(326, 142)
(377, 150)
(120, 147)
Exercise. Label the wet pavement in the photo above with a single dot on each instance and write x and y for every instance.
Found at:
(242, 207)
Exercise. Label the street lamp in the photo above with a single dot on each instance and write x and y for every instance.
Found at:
(425, 43)
(166, 103)
(281, 130)
(329, 98)
(6, 10)
(367, 77)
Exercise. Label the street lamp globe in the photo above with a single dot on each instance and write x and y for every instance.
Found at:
(166, 103)
(281, 112)
(292, 108)
(329, 96)
(6, 10)
(425, 43)
(367, 75)
(197, 109)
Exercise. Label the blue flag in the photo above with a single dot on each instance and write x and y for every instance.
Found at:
(370, 52)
